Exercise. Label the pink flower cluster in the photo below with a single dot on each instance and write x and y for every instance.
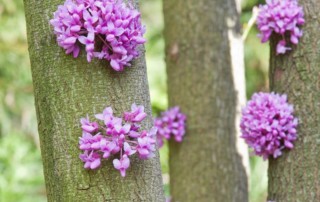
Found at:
(109, 29)
(281, 17)
(268, 125)
(116, 136)
(171, 123)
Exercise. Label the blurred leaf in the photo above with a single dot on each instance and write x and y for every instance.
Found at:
(21, 176)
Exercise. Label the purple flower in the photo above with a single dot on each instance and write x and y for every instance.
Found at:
(119, 129)
(96, 141)
(107, 112)
(281, 17)
(85, 141)
(137, 114)
(115, 137)
(128, 150)
(89, 42)
(268, 124)
(113, 24)
(90, 18)
(134, 134)
(91, 159)
(281, 47)
(88, 126)
(67, 25)
(147, 144)
(160, 141)
(122, 165)
(109, 120)
(89, 142)
(107, 147)
(171, 123)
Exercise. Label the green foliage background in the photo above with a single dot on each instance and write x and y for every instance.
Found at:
(21, 176)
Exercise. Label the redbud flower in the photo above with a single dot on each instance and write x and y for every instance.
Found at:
(137, 114)
(128, 149)
(107, 147)
(89, 126)
(280, 17)
(116, 137)
(268, 124)
(88, 141)
(121, 129)
(91, 159)
(171, 123)
(281, 47)
(89, 42)
(122, 165)
(109, 30)
(107, 112)
(147, 144)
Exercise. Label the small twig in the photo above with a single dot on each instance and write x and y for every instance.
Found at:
(105, 43)
(255, 12)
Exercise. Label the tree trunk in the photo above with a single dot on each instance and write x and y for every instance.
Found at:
(295, 176)
(204, 55)
(67, 89)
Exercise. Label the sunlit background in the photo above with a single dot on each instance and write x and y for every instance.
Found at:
(21, 176)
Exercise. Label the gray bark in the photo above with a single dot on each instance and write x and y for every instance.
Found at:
(204, 56)
(67, 89)
(295, 176)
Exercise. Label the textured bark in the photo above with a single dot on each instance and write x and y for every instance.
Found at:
(295, 176)
(204, 55)
(67, 89)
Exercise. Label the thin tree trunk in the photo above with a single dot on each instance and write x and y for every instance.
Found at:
(295, 176)
(204, 55)
(66, 89)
